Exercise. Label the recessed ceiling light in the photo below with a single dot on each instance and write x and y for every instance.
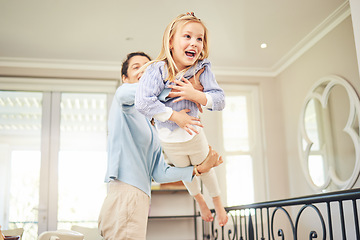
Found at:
(263, 45)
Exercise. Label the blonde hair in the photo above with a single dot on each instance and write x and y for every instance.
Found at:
(165, 53)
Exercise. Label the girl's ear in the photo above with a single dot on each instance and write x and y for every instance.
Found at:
(170, 44)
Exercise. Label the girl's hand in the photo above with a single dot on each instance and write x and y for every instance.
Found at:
(185, 121)
(195, 82)
(184, 90)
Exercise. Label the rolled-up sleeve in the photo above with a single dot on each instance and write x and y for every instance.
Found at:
(151, 85)
(211, 87)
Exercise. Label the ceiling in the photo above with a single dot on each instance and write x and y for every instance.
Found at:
(101, 33)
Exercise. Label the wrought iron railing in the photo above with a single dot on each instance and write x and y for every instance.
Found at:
(331, 216)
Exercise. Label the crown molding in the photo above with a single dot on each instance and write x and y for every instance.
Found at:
(296, 52)
(243, 72)
(57, 84)
(59, 64)
(325, 27)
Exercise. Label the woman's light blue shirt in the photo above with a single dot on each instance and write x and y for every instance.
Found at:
(134, 151)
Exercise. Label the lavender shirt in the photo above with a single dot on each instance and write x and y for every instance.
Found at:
(152, 83)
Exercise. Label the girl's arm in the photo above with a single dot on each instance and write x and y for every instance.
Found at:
(146, 100)
(212, 97)
(186, 91)
(195, 83)
(185, 121)
(150, 86)
(212, 88)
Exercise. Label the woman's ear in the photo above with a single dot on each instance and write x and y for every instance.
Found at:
(124, 79)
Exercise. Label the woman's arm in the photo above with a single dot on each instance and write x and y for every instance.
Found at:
(165, 173)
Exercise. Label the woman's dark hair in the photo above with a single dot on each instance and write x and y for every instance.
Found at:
(125, 64)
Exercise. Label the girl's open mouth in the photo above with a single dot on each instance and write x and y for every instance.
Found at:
(190, 53)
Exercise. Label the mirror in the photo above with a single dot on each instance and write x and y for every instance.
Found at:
(329, 141)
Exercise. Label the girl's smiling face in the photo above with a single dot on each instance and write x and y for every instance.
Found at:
(187, 44)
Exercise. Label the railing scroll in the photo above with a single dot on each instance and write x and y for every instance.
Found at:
(332, 215)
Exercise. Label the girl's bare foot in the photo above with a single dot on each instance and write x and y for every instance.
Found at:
(204, 209)
(221, 215)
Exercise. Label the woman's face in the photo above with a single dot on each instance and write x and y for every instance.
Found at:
(187, 44)
(133, 72)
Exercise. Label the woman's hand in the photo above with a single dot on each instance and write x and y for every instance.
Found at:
(213, 159)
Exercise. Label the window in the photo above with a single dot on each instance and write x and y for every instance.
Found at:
(53, 154)
(317, 154)
(82, 159)
(242, 145)
(20, 143)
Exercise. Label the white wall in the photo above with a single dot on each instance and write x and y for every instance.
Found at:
(334, 54)
(355, 15)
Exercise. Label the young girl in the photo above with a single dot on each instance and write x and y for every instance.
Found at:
(183, 54)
